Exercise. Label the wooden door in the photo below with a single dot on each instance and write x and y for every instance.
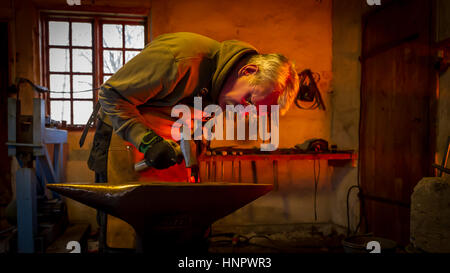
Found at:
(397, 115)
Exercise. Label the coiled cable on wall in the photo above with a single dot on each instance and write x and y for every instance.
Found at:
(308, 91)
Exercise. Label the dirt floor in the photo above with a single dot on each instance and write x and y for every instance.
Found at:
(306, 239)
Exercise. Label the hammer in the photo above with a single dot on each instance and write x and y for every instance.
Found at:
(189, 151)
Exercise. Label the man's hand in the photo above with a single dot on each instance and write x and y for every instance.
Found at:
(163, 154)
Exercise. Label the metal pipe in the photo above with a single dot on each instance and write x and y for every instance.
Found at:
(23, 144)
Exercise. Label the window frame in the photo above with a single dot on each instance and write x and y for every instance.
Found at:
(97, 20)
(123, 49)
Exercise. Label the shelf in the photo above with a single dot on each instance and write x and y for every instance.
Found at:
(334, 158)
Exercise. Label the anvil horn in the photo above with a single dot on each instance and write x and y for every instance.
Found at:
(102, 197)
(142, 204)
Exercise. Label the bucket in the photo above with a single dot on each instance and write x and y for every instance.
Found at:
(358, 244)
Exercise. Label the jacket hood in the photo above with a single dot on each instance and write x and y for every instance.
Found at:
(229, 53)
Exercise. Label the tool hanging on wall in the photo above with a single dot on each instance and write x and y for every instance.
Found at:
(308, 91)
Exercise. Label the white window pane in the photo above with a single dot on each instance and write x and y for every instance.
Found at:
(105, 78)
(82, 83)
(58, 33)
(82, 110)
(112, 35)
(82, 60)
(112, 61)
(130, 54)
(60, 110)
(59, 60)
(134, 36)
(59, 83)
(81, 34)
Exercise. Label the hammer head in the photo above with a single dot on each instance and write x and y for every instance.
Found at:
(189, 151)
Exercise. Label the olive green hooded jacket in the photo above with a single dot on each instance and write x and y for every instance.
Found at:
(171, 68)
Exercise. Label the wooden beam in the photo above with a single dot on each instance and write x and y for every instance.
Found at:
(38, 124)
(55, 136)
(47, 166)
(58, 162)
(132, 12)
(6, 14)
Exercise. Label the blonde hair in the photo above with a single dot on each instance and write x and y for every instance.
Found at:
(278, 70)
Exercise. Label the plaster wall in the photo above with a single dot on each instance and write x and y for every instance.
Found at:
(443, 112)
(301, 30)
(345, 103)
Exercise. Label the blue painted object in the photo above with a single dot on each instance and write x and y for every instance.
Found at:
(27, 180)
(26, 209)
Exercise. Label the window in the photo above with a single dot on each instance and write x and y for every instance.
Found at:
(121, 43)
(80, 54)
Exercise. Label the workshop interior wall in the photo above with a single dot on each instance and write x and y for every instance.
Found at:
(301, 30)
(443, 122)
(443, 111)
(346, 95)
(23, 54)
(345, 101)
(23, 16)
(324, 36)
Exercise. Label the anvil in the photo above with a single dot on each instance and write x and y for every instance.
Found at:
(165, 215)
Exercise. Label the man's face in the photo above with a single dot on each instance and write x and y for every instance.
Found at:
(245, 94)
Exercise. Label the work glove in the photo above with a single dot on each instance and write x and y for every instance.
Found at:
(160, 153)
